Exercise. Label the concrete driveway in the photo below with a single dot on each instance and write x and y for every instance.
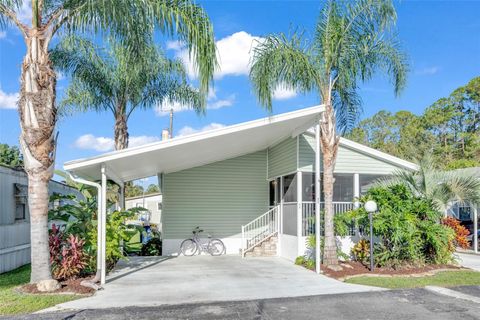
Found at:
(172, 281)
(469, 260)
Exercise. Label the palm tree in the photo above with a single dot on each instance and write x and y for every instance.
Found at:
(440, 187)
(127, 19)
(120, 81)
(351, 42)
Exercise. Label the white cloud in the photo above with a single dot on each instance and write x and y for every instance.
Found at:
(103, 144)
(136, 141)
(8, 100)
(89, 142)
(283, 93)
(164, 108)
(187, 130)
(217, 104)
(212, 104)
(3, 34)
(428, 71)
(24, 14)
(233, 52)
(174, 45)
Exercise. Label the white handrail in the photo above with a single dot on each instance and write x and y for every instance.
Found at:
(259, 229)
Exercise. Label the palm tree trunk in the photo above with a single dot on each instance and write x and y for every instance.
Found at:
(37, 118)
(329, 143)
(121, 132)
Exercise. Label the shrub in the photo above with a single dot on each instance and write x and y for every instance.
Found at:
(461, 233)
(153, 247)
(80, 218)
(407, 227)
(300, 260)
(361, 251)
(67, 256)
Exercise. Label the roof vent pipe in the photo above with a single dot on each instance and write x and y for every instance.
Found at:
(165, 134)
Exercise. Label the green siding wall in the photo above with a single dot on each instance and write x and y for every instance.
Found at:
(348, 160)
(282, 158)
(219, 197)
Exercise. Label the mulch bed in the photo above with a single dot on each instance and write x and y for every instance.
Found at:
(352, 268)
(71, 286)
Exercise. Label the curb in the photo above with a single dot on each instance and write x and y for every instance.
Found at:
(413, 275)
(452, 293)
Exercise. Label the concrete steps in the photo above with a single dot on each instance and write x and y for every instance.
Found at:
(267, 248)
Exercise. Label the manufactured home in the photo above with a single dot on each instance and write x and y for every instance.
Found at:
(15, 217)
(245, 183)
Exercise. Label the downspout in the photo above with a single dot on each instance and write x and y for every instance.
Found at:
(93, 282)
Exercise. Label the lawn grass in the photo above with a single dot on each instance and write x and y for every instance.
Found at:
(13, 302)
(440, 279)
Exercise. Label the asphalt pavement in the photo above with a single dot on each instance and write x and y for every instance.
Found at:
(394, 304)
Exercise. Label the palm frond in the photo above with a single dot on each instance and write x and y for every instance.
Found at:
(278, 61)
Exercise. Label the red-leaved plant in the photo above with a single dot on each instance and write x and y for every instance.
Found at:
(67, 257)
(461, 232)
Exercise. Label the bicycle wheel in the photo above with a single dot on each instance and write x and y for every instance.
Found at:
(216, 247)
(188, 247)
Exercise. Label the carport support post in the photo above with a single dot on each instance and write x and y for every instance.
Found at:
(122, 197)
(103, 220)
(299, 214)
(317, 198)
(475, 227)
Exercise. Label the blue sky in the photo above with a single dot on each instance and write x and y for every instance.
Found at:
(442, 39)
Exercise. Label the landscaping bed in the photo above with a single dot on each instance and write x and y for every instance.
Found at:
(352, 269)
(71, 286)
(14, 301)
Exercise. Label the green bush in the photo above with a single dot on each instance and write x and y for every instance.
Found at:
(408, 228)
(153, 247)
(80, 219)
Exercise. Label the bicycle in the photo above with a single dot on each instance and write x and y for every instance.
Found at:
(190, 247)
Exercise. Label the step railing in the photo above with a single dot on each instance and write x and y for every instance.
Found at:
(260, 229)
(308, 215)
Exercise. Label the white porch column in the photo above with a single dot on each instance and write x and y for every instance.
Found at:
(356, 189)
(280, 219)
(317, 198)
(475, 227)
(121, 197)
(299, 214)
(102, 224)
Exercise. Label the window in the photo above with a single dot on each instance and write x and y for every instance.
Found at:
(20, 211)
(343, 188)
(366, 182)
(290, 188)
(21, 192)
(159, 206)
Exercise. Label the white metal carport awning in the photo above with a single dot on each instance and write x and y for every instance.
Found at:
(198, 149)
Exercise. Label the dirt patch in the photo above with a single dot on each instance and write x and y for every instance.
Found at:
(71, 286)
(354, 269)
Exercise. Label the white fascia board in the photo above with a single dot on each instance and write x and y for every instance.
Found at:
(373, 152)
(75, 164)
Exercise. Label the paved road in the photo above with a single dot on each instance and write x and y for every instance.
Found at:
(396, 304)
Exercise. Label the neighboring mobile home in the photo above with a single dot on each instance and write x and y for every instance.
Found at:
(15, 217)
(224, 180)
(152, 202)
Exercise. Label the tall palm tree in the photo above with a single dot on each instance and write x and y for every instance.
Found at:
(440, 187)
(352, 40)
(120, 81)
(129, 20)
